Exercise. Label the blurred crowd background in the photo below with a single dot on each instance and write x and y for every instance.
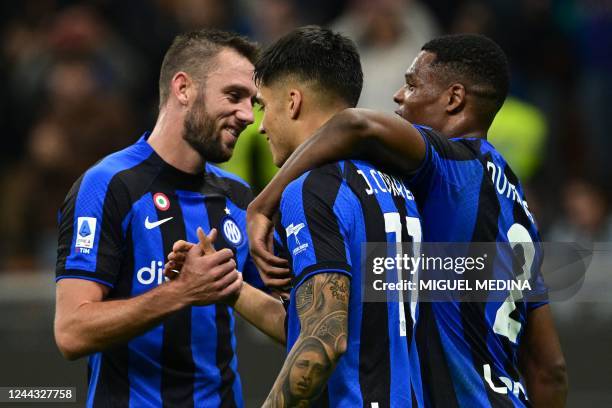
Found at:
(80, 81)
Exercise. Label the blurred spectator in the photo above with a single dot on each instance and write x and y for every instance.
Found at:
(586, 214)
(389, 34)
(272, 19)
(474, 17)
(80, 126)
(594, 32)
(76, 32)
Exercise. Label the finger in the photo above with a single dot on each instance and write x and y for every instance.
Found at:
(280, 285)
(170, 271)
(270, 241)
(221, 256)
(218, 272)
(273, 272)
(233, 287)
(259, 250)
(177, 257)
(227, 279)
(181, 245)
(195, 250)
(207, 241)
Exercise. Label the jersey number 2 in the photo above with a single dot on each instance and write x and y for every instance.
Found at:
(504, 325)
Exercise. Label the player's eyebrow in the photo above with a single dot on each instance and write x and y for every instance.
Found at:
(241, 89)
(409, 76)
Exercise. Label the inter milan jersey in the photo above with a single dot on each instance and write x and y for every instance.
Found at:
(117, 224)
(327, 214)
(466, 192)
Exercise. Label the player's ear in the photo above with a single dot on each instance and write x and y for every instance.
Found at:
(295, 103)
(182, 87)
(456, 98)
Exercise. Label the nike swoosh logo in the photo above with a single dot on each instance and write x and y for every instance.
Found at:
(151, 225)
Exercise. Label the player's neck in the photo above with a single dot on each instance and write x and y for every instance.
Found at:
(464, 128)
(167, 141)
(316, 120)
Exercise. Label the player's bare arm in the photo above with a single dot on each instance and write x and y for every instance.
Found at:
(85, 322)
(383, 139)
(542, 362)
(322, 306)
(263, 311)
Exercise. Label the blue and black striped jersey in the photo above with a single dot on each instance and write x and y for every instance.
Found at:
(117, 224)
(327, 214)
(466, 192)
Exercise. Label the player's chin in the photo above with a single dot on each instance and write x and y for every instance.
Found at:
(402, 114)
(226, 153)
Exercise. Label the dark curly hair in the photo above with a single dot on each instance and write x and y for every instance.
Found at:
(317, 55)
(477, 62)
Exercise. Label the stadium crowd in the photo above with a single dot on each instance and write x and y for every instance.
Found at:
(78, 85)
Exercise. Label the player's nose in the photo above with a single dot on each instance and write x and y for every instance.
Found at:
(245, 113)
(398, 96)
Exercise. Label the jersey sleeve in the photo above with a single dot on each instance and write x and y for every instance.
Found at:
(316, 217)
(448, 163)
(90, 231)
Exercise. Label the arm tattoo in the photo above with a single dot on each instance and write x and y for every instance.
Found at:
(338, 288)
(322, 306)
(303, 297)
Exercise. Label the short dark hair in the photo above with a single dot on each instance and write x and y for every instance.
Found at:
(313, 53)
(477, 60)
(191, 52)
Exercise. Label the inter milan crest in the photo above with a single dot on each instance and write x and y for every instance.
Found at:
(231, 231)
(161, 201)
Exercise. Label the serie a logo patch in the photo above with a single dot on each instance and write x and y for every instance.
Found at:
(86, 232)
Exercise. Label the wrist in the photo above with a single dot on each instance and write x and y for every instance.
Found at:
(172, 291)
(234, 301)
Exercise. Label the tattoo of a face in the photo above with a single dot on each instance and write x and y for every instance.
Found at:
(322, 307)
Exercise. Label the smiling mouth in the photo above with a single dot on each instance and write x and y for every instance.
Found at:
(232, 131)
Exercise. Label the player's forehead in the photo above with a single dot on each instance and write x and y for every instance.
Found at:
(231, 69)
(420, 66)
(265, 93)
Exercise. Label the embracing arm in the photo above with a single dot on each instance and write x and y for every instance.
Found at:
(322, 307)
(542, 362)
(384, 139)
